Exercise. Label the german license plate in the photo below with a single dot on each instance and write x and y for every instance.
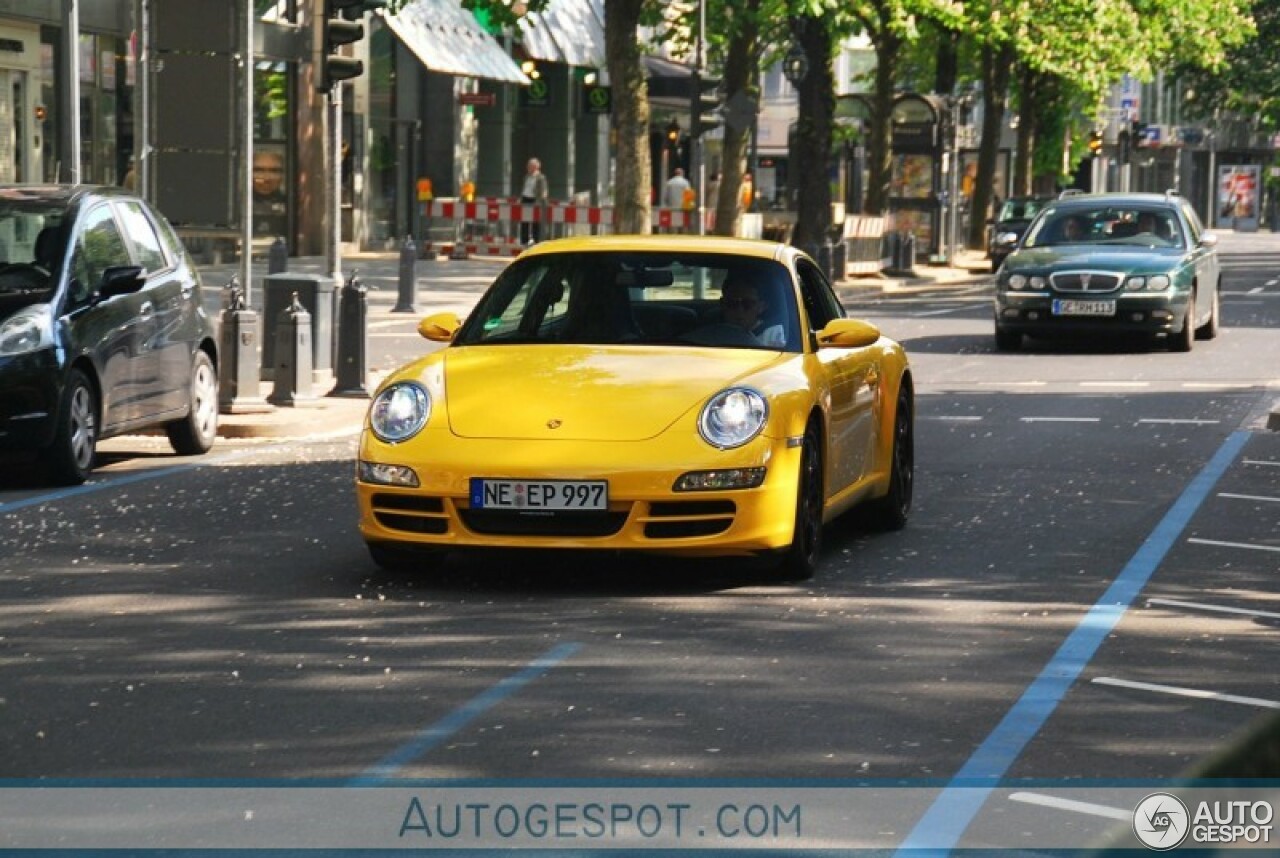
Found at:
(548, 495)
(1063, 307)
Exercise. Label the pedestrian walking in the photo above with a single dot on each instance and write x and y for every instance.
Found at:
(673, 192)
(535, 192)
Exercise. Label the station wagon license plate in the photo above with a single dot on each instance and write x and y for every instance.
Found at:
(541, 495)
(1062, 307)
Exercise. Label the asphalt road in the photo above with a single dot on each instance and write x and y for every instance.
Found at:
(1087, 590)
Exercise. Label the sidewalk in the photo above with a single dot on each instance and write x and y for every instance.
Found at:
(444, 284)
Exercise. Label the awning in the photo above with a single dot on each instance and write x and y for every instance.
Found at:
(448, 38)
(567, 31)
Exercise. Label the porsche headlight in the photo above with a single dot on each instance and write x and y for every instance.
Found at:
(733, 417)
(399, 412)
(27, 330)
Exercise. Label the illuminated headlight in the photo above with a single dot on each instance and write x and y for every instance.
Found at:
(27, 330)
(706, 481)
(1135, 284)
(387, 475)
(399, 412)
(733, 417)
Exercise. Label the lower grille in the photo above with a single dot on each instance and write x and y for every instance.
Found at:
(412, 523)
(494, 522)
(410, 513)
(683, 519)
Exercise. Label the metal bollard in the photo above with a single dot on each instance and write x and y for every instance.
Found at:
(408, 277)
(278, 257)
(239, 355)
(349, 365)
(293, 356)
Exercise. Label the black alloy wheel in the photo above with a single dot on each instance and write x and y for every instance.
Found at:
(800, 559)
(890, 512)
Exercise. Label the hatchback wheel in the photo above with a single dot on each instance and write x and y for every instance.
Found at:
(800, 559)
(195, 433)
(71, 456)
(890, 512)
(1185, 338)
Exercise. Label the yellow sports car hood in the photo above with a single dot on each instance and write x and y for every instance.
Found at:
(585, 393)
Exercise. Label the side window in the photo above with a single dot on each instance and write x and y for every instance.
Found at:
(99, 246)
(820, 302)
(146, 244)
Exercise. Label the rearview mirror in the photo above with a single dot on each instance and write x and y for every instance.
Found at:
(1209, 239)
(439, 327)
(848, 334)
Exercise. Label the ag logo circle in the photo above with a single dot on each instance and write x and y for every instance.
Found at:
(1161, 821)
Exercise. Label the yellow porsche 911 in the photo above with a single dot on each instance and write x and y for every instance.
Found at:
(666, 394)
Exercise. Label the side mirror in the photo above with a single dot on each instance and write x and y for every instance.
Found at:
(848, 334)
(1209, 239)
(121, 280)
(439, 327)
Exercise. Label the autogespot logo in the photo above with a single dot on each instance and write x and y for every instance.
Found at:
(1161, 821)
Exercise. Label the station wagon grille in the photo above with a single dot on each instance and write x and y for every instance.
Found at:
(1085, 281)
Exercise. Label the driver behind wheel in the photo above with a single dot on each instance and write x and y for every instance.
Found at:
(743, 305)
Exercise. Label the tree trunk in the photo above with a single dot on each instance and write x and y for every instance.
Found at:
(1028, 95)
(996, 64)
(741, 71)
(880, 134)
(813, 134)
(631, 204)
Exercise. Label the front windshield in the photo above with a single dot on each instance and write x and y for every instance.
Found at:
(1141, 226)
(639, 298)
(31, 249)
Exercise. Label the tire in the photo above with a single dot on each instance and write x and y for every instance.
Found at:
(1209, 330)
(397, 558)
(1185, 338)
(1007, 341)
(195, 433)
(71, 456)
(890, 512)
(800, 559)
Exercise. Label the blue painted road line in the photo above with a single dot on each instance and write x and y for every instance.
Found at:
(463, 715)
(945, 822)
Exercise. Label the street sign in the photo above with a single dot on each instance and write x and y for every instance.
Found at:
(536, 94)
(597, 99)
(478, 99)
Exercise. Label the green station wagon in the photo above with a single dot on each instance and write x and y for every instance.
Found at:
(1134, 265)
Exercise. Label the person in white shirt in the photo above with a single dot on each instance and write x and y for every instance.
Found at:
(534, 191)
(673, 192)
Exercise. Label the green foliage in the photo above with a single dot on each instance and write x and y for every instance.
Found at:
(1248, 81)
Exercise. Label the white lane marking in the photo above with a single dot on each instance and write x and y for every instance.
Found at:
(1255, 290)
(1273, 281)
(940, 312)
(1220, 609)
(1234, 496)
(1247, 545)
(1199, 694)
(1217, 385)
(1086, 807)
(1115, 384)
(1268, 463)
(1060, 419)
(1012, 383)
(1178, 420)
(953, 418)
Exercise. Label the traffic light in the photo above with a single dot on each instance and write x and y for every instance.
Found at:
(1095, 143)
(338, 27)
(704, 107)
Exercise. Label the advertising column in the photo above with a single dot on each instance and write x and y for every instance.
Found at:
(1238, 197)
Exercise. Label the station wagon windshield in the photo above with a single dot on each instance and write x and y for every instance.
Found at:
(1140, 226)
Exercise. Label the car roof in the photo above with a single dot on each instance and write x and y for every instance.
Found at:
(749, 247)
(1117, 198)
(66, 195)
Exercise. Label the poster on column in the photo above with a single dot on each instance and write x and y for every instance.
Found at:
(1238, 197)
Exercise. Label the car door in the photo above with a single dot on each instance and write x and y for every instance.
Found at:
(116, 332)
(851, 379)
(172, 298)
(1205, 259)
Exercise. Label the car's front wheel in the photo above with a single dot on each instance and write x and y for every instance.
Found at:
(1209, 329)
(195, 433)
(1185, 337)
(1007, 341)
(75, 443)
(890, 511)
(800, 559)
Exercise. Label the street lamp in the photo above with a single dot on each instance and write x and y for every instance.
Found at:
(795, 66)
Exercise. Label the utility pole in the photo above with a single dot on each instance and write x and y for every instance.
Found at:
(246, 162)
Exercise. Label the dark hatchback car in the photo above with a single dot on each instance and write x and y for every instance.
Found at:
(1137, 266)
(1011, 222)
(102, 329)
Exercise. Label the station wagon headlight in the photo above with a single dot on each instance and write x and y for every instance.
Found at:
(1017, 281)
(399, 412)
(1158, 282)
(733, 417)
(1135, 284)
(1036, 282)
(28, 330)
